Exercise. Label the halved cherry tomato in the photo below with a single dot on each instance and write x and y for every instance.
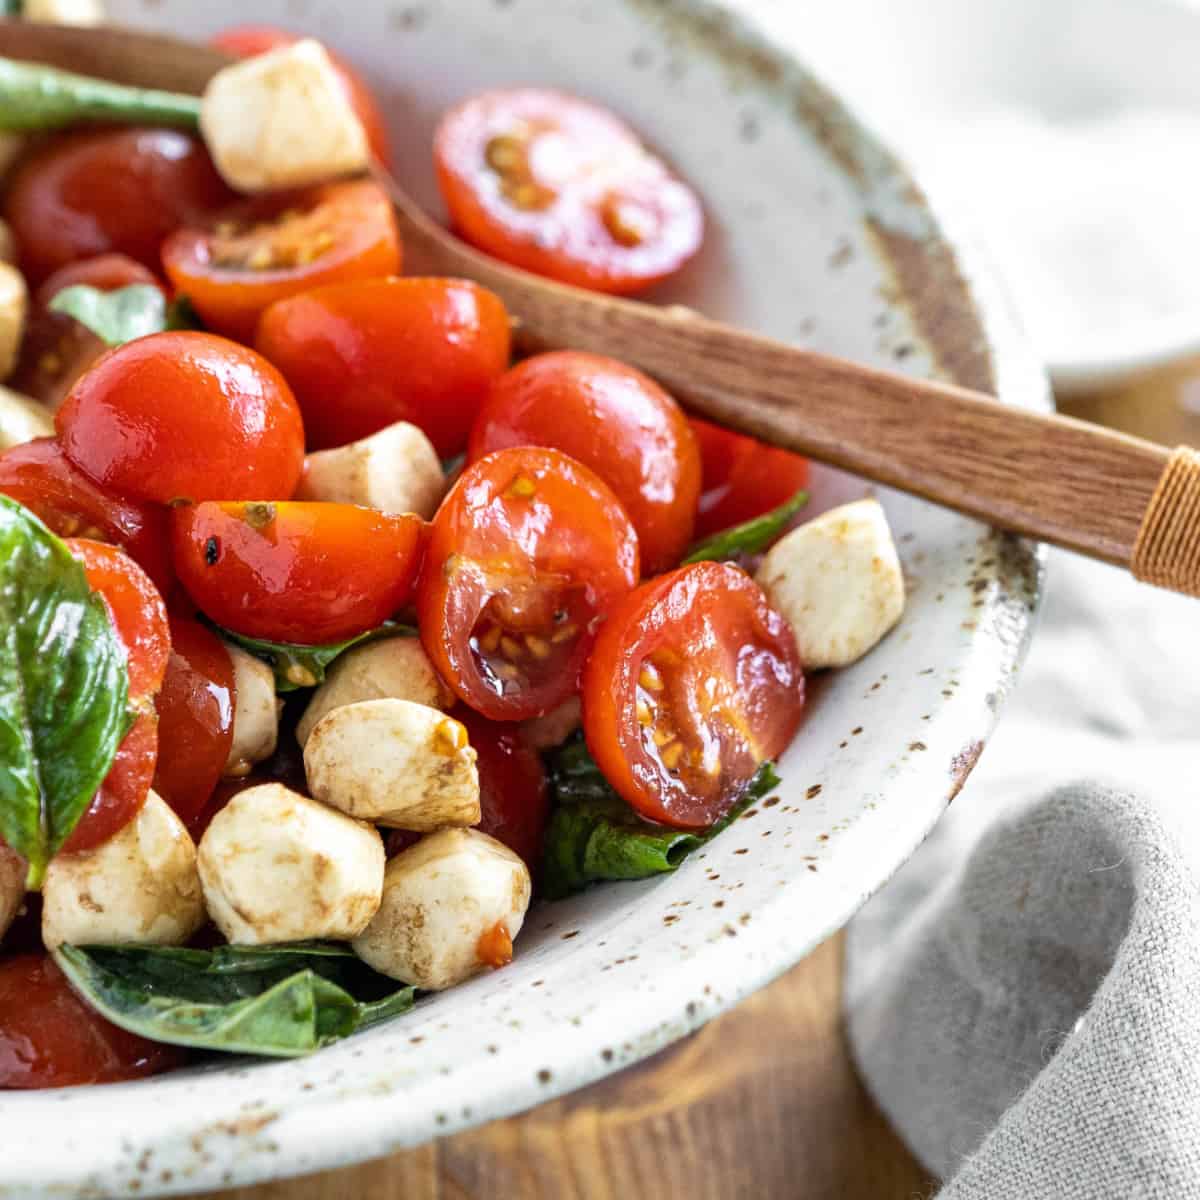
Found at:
(613, 419)
(105, 272)
(363, 355)
(249, 41)
(95, 192)
(527, 553)
(310, 573)
(185, 416)
(195, 718)
(694, 681)
(743, 477)
(51, 1038)
(264, 250)
(556, 185)
(40, 476)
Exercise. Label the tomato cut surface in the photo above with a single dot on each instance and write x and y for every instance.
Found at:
(526, 555)
(694, 681)
(297, 572)
(364, 355)
(614, 419)
(556, 185)
(264, 250)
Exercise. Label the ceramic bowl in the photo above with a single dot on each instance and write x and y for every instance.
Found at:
(816, 236)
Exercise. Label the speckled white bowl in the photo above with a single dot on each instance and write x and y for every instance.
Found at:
(816, 235)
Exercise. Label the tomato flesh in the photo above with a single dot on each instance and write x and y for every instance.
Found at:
(526, 554)
(556, 185)
(297, 572)
(265, 250)
(694, 681)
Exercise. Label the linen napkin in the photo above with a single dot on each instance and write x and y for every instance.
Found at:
(1023, 999)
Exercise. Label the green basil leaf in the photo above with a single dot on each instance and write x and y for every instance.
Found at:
(182, 314)
(11, 8)
(279, 1001)
(64, 687)
(750, 537)
(594, 835)
(114, 317)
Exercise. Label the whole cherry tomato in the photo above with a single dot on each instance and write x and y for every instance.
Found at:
(49, 1037)
(694, 681)
(364, 355)
(614, 419)
(264, 250)
(528, 552)
(743, 477)
(105, 272)
(185, 416)
(309, 573)
(556, 185)
(40, 476)
(249, 41)
(95, 192)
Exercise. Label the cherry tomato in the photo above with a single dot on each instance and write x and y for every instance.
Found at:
(512, 787)
(743, 477)
(363, 355)
(195, 718)
(95, 192)
(556, 185)
(527, 553)
(693, 682)
(249, 41)
(51, 1038)
(271, 248)
(613, 419)
(105, 272)
(185, 416)
(309, 573)
(40, 476)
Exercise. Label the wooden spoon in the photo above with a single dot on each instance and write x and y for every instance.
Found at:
(1045, 476)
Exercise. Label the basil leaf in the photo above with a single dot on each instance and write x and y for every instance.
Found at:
(594, 835)
(279, 1001)
(750, 537)
(182, 314)
(298, 666)
(11, 8)
(64, 686)
(114, 317)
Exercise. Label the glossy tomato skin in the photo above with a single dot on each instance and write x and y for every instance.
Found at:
(105, 273)
(743, 477)
(564, 188)
(51, 1038)
(614, 419)
(261, 251)
(297, 572)
(694, 681)
(364, 355)
(231, 428)
(113, 190)
(526, 555)
(40, 476)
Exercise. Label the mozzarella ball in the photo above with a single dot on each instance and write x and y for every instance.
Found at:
(255, 713)
(14, 305)
(442, 902)
(837, 580)
(392, 669)
(394, 762)
(22, 419)
(139, 886)
(395, 470)
(282, 120)
(553, 728)
(13, 870)
(279, 867)
(64, 12)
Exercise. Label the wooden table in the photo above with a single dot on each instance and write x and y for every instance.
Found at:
(763, 1102)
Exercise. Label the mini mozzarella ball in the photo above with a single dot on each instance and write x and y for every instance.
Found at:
(139, 886)
(255, 712)
(14, 304)
(64, 12)
(441, 899)
(13, 870)
(22, 419)
(279, 867)
(391, 669)
(395, 470)
(837, 580)
(400, 764)
(552, 729)
(282, 120)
